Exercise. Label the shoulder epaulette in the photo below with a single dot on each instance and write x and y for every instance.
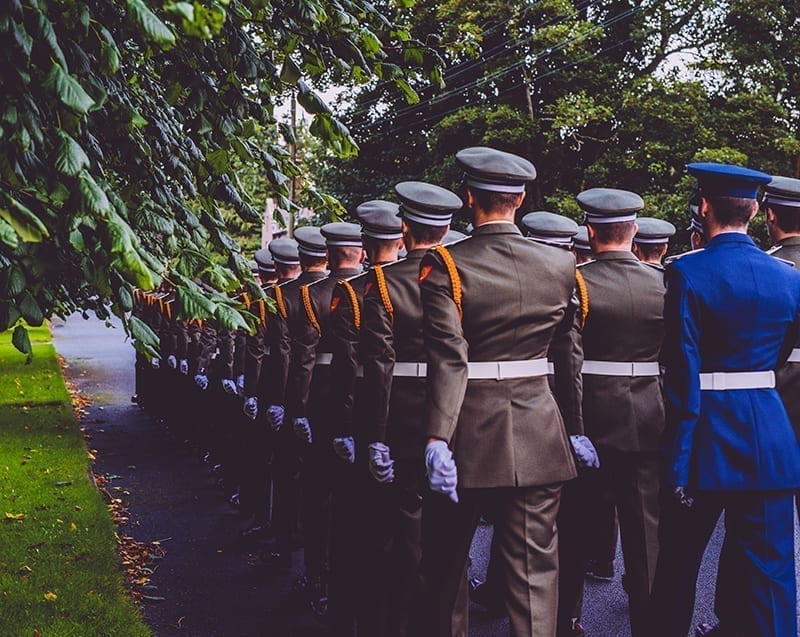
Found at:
(383, 290)
(452, 272)
(587, 262)
(351, 294)
(583, 296)
(309, 307)
(774, 249)
(675, 257)
(786, 261)
(279, 301)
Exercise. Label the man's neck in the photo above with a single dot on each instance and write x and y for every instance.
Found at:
(715, 230)
(777, 235)
(611, 247)
(482, 217)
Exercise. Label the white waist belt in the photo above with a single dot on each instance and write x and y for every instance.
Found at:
(794, 357)
(410, 370)
(550, 368)
(483, 370)
(718, 381)
(323, 358)
(618, 368)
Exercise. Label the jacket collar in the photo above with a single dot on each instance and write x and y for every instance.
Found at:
(789, 241)
(730, 237)
(312, 275)
(500, 227)
(346, 273)
(615, 255)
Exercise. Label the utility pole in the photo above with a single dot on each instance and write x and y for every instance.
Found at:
(294, 161)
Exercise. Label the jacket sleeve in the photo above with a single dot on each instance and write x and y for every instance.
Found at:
(446, 347)
(344, 367)
(207, 347)
(378, 354)
(279, 341)
(304, 339)
(255, 351)
(566, 353)
(225, 345)
(681, 376)
(239, 349)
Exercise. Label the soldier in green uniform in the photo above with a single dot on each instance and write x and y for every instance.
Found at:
(623, 410)
(382, 238)
(581, 246)
(494, 306)
(310, 394)
(393, 407)
(651, 241)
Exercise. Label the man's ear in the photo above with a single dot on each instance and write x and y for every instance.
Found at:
(703, 207)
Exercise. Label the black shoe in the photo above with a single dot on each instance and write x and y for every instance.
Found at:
(485, 595)
(603, 571)
(715, 629)
(275, 560)
(577, 629)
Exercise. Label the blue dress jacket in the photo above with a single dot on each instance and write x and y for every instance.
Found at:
(728, 308)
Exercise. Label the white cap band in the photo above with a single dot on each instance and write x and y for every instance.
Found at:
(311, 253)
(652, 240)
(343, 243)
(482, 185)
(563, 241)
(383, 235)
(425, 218)
(590, 218)
(776, 200)
(285, 261)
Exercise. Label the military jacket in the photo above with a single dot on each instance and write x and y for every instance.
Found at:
(287, 312)
(788, 376)
(346, 312)
(258, 346)
(624, 324)
(729, 308)
(309, 328)
(394, 407)
(513, 302)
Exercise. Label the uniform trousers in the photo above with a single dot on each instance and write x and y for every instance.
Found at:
(525, 524)
(759, 534)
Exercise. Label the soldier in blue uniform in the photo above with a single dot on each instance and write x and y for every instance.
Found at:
(731, 316)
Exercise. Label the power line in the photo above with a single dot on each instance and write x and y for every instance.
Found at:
(440, 97)
(503, 48)
(541, 76)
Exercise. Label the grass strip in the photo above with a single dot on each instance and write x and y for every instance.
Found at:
(60, 574)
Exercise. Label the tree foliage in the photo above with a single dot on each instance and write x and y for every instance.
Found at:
(122, 126)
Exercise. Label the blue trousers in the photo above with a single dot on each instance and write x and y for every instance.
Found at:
(757, 572)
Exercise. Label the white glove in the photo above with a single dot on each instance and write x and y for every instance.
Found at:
(155, 363)
(275, 414)
(441, 468)
(345, 448)
(302, 429)
(228, 385)
(184, 366)
(172, 362)
(240, 384)
(381, 465)
(250, 407)
(201, 380)
(585, 452)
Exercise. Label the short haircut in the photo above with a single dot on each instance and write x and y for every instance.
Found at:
(732, 211)
(284, 270)
(616, 232)
(372, 245)
(340, 257)
(427, 235)
(490, 201)
(651, 251)
(307, 261)
(787, 219)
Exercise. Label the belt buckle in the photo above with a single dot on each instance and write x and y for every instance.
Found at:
(419, 370)
(499, 374)
(718, 381)
(633, 369)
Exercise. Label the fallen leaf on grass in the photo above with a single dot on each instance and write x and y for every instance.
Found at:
(15, 516)
(24, 570)
(50, 597)
(73, 526)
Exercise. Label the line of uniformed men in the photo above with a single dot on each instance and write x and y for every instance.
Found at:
(333, 388)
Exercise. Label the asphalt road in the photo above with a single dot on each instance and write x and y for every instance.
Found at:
(211, 582)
